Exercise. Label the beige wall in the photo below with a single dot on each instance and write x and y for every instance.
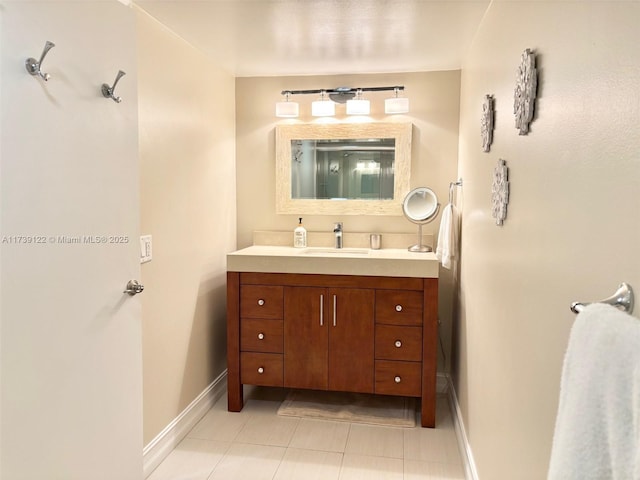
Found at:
(572, 229)
(434, 106)
(187, 159)
(434, 112)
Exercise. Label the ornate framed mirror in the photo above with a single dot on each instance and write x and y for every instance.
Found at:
(342, 169)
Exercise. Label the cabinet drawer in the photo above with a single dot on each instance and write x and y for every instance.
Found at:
(398, 307)
(398, 343)
(261, 301)
(398, 378)
(259, 335)
(261, 369)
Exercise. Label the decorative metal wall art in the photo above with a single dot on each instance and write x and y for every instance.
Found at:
(500, 192)
(524, 96)
(486, 123)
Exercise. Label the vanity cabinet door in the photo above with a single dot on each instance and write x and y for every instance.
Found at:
(306, 338)
(351, 339)
(329, 338)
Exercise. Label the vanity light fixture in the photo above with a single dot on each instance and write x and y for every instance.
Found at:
(287, 109)
(323, 107)
(396, 104)
(353, 97)
(358, 105)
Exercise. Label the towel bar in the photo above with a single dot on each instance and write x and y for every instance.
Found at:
(451, 185)
(622, 299)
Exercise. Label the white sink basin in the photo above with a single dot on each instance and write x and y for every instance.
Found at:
(335, 251)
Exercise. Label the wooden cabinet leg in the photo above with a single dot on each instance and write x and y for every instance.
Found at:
(428, 411)
(235, 400)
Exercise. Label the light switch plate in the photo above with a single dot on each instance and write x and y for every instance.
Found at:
(145, 249)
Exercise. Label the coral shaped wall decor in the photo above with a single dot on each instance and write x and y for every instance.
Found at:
(500, 192)
(486, 123)
(524, 96)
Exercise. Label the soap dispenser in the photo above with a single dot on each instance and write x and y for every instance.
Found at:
(300, 235)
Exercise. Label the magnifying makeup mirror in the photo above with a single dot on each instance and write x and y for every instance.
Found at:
(420, 206)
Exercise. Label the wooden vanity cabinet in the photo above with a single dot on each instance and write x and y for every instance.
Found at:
(333, 332)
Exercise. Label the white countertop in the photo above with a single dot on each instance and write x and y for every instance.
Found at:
(389, 262)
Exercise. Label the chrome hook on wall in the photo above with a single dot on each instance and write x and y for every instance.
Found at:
(107, 91)
(33, 66)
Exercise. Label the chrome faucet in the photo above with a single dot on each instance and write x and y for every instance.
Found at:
(337, 229)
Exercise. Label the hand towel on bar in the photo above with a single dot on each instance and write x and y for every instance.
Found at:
(597, 432)
(447, 236)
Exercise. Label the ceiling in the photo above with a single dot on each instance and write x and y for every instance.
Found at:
(316, 37)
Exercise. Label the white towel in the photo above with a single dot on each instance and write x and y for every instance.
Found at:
(448, 236)
(597, 434)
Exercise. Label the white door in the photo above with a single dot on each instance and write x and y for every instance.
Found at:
(70, 338)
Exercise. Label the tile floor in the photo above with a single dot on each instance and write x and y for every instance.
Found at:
(257, 444)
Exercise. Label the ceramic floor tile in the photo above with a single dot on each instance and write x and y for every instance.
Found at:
(444, 417)
(431, 445)
(261, 407)
(219, 425)
(315, 447)
(416, 470)
(268, 430)
(320, 435)
(265, 393)
(243, 462)
(192, 459)
(309, 465)
(362, 467)
(375, 440)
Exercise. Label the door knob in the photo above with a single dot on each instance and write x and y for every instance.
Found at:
(133, 287)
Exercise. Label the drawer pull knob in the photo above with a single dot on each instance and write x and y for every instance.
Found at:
(261, 302)
(398, 344)
(261, 336)
(397, 379)
(398, 308)
(261, 371)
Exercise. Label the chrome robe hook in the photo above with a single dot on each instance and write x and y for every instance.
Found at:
(33, 66)
(108, 91)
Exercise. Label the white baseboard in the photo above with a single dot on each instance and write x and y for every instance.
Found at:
(162, 445)
(470, 471)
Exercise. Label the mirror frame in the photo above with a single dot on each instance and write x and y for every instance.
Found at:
(311, 131)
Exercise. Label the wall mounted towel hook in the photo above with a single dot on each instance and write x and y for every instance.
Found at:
(33, 66)
(108, 91)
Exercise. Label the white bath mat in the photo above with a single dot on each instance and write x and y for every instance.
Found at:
(350, 407)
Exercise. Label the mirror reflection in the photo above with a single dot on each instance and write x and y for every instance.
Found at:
(342, 169)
